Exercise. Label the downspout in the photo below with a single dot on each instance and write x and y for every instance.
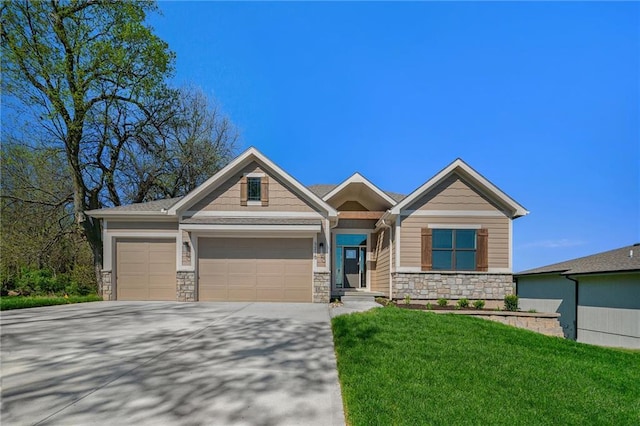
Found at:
(384, 224)
(330, 247)
(575, 324)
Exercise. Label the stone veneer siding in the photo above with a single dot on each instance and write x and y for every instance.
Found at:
(106, 287)
(321, 287)
(543, 323)
(451, 285)
(186, 286)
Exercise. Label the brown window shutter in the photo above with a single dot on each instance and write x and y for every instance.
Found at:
(243, 191)
(482, 253)
(264, 190)
(426, 249)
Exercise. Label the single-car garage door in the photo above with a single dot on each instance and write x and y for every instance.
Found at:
(255, 269)
(145, 269)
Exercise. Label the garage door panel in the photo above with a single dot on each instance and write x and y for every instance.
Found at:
(133, 294)
(296, 282)
(145, 269)
(269, 267)
(292, 295)
(270, 294)
(214, 294)
(242, 266)
(269, 281)
(242, 294)
(255, 269)
(297, 268)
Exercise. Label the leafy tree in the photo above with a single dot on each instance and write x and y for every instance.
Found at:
(68, 60)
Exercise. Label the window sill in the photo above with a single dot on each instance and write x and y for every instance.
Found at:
(254, 203)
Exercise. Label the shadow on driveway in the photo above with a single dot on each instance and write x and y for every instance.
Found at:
(170, 363)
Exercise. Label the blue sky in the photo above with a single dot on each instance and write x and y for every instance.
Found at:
(542, 98)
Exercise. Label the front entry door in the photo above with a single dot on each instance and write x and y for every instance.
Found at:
(354, 267)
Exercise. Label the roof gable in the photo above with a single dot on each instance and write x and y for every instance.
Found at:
(350, 183)
(244, 159)
(470, 176)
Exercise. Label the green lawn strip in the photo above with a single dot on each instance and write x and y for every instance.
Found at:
(19, 302)
(406, 367)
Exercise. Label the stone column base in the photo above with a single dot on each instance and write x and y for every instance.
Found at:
(106, 287)
(186, 286)
(321, 287)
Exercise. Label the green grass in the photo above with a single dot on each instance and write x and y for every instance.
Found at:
(407, 367)
(20, 302)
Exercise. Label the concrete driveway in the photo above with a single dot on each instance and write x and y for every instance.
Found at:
(170, 363)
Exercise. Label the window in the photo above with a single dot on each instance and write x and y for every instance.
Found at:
(253, 189)
(457, 249)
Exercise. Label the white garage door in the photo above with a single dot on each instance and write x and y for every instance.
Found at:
(145, 269)
(255, 269)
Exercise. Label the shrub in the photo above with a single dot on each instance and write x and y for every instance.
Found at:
(532, 311)
(383, 301)
(407, 299)
(463, 303)
(511, 303)
(478, 304)
(442, 302)
(43, 282)
(429, 307)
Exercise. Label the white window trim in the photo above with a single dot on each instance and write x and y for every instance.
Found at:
(254, 203)
(254, 175)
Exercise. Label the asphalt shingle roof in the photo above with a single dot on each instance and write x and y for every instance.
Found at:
(621, 259)
(156, 206)
(251, 221)
(149, 206)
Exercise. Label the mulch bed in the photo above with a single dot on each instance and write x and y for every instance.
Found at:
(436, 307)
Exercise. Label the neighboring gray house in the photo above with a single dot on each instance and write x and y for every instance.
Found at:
(598, 296)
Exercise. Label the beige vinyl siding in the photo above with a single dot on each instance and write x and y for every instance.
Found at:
(453, 194)
(410, 237)
(226, 197)
(380, 277)
(113, 226)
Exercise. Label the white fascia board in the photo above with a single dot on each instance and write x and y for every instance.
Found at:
(358, 178)
(243, 159)
(460, 166)
(253, 228)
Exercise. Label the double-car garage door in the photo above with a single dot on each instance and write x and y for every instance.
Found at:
(255, 269)
(229, 269)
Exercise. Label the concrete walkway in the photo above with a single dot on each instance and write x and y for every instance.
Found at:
(351, 307)
(170, 364)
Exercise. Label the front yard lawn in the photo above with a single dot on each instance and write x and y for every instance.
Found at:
(399, 366)
(20, 302)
